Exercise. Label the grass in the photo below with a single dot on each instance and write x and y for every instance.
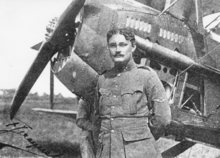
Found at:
(54, 133)
(58, 135)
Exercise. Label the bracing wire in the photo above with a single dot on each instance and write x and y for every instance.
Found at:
(166, 9)
(189, 152)
(212, 21)
(178, 75)
(199, 59)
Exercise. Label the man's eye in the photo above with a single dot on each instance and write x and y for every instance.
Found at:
(123, 44)
(112, 45)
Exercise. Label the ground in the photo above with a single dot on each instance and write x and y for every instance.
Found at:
(56, 134)
(59, 135)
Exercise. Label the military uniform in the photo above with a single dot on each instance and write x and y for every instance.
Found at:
(126, 99)
(85, 122)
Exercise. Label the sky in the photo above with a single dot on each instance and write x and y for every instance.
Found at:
(23, 24)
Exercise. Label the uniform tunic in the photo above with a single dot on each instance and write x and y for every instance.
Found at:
(85, 122)
(126, 99)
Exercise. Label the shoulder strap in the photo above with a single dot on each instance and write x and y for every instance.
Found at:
(147, 68)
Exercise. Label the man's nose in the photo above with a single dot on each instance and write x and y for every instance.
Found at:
(118, 48)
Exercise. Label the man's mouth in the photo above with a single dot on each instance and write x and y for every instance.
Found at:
(118, 55)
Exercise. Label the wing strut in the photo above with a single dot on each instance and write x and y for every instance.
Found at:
(177, 149)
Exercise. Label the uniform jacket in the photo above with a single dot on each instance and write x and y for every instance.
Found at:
(126, 98)
(85, 122)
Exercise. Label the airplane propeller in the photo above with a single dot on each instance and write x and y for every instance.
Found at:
(61, 37)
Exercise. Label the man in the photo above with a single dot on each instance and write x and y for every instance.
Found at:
(84, 121)
(129, 99)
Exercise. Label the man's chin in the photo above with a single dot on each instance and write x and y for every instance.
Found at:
(118, 60)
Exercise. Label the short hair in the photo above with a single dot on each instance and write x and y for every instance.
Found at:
(128, 34)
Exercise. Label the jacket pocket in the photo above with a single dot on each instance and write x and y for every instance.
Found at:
(131, 89)
(139, 143)
(131, 95)
(136, 134)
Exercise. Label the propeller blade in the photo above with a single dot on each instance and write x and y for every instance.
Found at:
(66, 24)
(59, 38)
(30, 78)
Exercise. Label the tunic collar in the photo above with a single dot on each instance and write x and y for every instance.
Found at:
(131, 64)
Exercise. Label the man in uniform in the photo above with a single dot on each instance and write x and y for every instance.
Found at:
(84, 121)
(130, 99)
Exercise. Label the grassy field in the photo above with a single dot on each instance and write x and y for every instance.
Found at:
(54, 133)
(59, 135)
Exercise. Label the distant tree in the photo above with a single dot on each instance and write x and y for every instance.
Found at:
(1, 92)
(59, 96)
(9, 92)
(45, 95)
(33, 96)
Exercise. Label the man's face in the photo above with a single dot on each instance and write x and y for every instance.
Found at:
(120, 49)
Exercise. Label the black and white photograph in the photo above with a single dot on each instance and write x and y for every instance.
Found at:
(110, 79)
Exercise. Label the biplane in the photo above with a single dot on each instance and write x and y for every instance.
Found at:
(177, 38)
